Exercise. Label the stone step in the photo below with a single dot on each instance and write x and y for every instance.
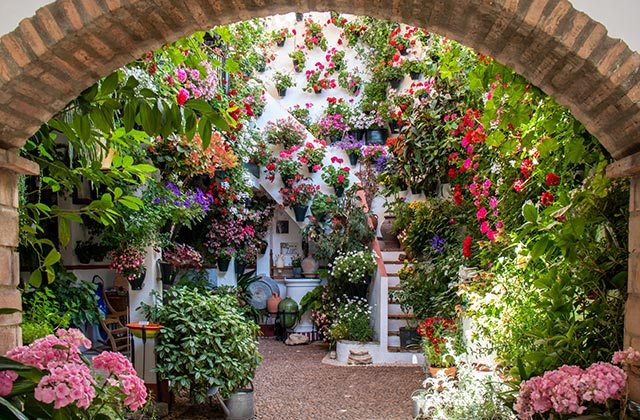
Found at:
(394, 334)
(401, 316)
(394, 309)
(393, 340)
(392, 255)
(393, 281)
(396, 324)
(393, 268)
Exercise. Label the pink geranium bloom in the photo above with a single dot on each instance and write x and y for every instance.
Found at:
(481, 214)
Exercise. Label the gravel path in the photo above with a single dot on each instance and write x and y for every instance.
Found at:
(293, 384)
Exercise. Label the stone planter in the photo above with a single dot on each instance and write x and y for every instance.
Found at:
(309, 267)
(344, 347)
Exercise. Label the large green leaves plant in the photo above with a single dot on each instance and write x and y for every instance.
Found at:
(206, 342)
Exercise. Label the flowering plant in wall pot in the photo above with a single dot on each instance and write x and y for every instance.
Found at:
(337, 177)
(299, 58)
(279, 36)
(313, 35)
(286, 132)
(287, 165)
(51, 379)
(312, 154)
(129, 262)
(283, 81)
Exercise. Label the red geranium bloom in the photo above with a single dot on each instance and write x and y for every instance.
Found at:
(182, 97)
(552, 179)
(466, 246)
(452, 173)
(518, 185)
(546, 198)
(526, 168)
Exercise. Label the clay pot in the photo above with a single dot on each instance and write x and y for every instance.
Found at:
(309, 266)
(272, 303)
(386, 230)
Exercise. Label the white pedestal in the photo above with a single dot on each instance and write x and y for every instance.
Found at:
(296, 289)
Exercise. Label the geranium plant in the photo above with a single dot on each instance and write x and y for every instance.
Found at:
(51, 378)
(441, 341)
(312, 154)
(302, 114)
(299, 59)
(331, 127)
(335, 176)
(286, 132)
(317, 82)
(287, 165)
(351, 82)
(129, 262)
(323, 204)
(313, 35)
(279, 36)
(335, 58)
(283, 81)
(299, 194)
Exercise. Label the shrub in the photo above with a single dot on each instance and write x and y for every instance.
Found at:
(222, 344)
(352, 320)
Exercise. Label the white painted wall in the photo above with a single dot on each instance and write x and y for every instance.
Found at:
(619, 16)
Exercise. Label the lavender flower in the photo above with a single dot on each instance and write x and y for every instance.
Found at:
(380, 163)
(349, 143)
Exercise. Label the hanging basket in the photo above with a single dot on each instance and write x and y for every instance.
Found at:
(168, 273)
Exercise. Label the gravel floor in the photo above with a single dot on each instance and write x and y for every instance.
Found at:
(293, 384)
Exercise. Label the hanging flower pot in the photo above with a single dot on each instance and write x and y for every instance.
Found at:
(300, 212)
(286, 179)
(282, 92)
(318, 91)
(223, 265)
(281, 43)
(137, 282)
(339, 190)
(353, 158)
(262, 247)
(415, 75)
(167, 273)
(299, 17)
(395, 83)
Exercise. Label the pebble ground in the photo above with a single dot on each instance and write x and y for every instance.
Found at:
(293, 384)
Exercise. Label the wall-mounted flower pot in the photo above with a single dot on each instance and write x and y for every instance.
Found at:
(317, 91)
(239, 267)
(262, 247)
(253, 169)
(282, 92)
(223, 265)
(261, 67)
(300, 212)
(357, 134)
(353, 158)
(281, 43)
(287, 179)
(299, 17)
(339, 190)
(415, 75)
(377, 136)
(395, 83)
(311, 169)
(403, 52)
(136, 283)
(167, 273)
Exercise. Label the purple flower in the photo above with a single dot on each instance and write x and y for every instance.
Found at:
(438, 243)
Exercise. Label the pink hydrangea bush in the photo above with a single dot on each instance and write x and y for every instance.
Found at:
(69, 383)
(570, 390)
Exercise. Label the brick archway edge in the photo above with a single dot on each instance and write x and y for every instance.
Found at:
(69, 44)
(53, 56)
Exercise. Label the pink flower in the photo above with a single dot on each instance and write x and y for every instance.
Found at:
(316, 168)
(7, 378)
(518, 185)
(467, 163)
(113, 364)
(181, 75)
(484, 227)
(493, 202)
(481, 214)
(340, 178)
(135, 391)
(67, 384)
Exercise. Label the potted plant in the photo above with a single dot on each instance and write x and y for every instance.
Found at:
(129, 263)
(352, 147)
(336, 177)
(336, 59)
(298, 197)
(296, 266)
(279, 36)
(258, 155)
(299, 17)
(313, 35)
(393, 74)
(441, 342)
(286, 132)
(302, 114)
(322, 205)
(332, 126)
(228, 233)
(352, 321)
(351, 82)
(178, 257)
(316, 82)
(299, 58)
(286, 165)
(190, 318)
(354, 267)
(413, 67)
(312, 154)
(283, 81)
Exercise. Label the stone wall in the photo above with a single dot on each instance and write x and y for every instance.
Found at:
(632, 314)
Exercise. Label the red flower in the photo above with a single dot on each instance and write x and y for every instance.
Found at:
(526, 168)
(452, 173)
(518, 185)
(271, 166)
(546, 198)
(466, 246)
(182, 97)
(552, 179)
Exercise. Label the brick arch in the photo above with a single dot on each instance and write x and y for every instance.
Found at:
(50, 58)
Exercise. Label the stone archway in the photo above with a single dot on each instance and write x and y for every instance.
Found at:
(50, 58)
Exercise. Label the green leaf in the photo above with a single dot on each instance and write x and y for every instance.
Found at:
(199, 105)
(109, 84)
(231, 66)
(36, 279)
(539, 248)
(18, 415)
(204, 129)
(495, 139)
(64, 232)
(129, 119)
(52, 258)
(530, 213)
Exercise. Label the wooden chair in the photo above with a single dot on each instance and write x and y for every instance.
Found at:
(114, 324)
